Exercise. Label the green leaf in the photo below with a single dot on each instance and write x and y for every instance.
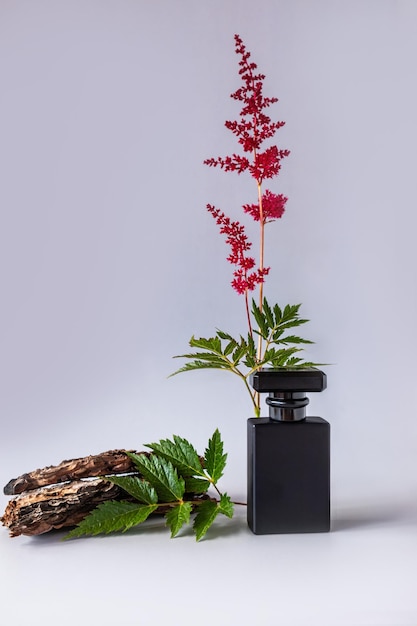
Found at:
(136, 487)
(212, 358)
(180, 453)
(278, 358)
(196, 485)
(250, 358)
(207, 513)
(213, 343)
(205, 356)
(208, 356)
(292, 339)
(295, 363)
(250, 361)
(161, 474)
(222, 335)
(292, 324)
(178, 516)
(226, 505)
(290, 311)
(260, 320)
(240, 351)
(112, 516)
(277, 314)
(215, 460)
(230, 346)
(269, 317)
(198, 365)
(251, 345)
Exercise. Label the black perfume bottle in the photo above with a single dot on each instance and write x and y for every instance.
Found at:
(288, 457)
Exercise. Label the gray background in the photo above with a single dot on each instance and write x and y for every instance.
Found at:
(109, 263)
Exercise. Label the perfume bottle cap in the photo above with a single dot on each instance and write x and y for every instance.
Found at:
(270, 379)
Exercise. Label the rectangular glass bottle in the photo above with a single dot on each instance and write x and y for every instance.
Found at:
(288, 476)
(288, 456)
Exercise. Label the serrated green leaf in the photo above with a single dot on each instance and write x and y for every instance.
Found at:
(260, 320)
(205, 356)
(271, 353)
(277, 314)
(276, 335)
(136, 487)
(290, 311)
(292, 323)
(231, 345)
(180, 453)
(251, 345)
(161, 474)
(112, 516)
(250, 361)
(292, 339)
(196, 485)
(239, 352)
(278, 358)
(226, 505)
(214, 459)
(269, 317)
(178, 516)
(294, 361)
(207, 513)
(212, 343)
(198, 365)
(250, 358)
(222, 335)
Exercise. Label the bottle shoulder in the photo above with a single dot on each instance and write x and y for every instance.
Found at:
(309, 421)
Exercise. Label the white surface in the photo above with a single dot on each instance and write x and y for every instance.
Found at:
(362, 573)
(109, 263)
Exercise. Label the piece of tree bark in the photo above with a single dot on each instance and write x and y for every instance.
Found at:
(111, 462)
(41, 510)
(60, 496)
(62, 506)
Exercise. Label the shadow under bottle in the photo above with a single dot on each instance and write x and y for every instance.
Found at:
(288, 456)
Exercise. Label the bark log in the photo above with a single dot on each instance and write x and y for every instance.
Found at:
(60, 496)
(41, 510)
(111, 462)
(63, 506)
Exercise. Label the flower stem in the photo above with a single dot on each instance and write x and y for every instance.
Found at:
(248, 313)
(255, 397)
(261, 259)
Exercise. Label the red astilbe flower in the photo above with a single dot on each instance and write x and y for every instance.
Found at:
(235, 163)
(273, 207)
(244, 280)
(254, 125)
(267, 164)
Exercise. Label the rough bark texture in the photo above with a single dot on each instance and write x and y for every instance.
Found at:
(60, 496)
(111, 462)
(63, 506)
(57, 506)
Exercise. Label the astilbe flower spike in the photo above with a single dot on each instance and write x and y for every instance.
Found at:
(243, 280)
(252, 129)
(254, 125)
